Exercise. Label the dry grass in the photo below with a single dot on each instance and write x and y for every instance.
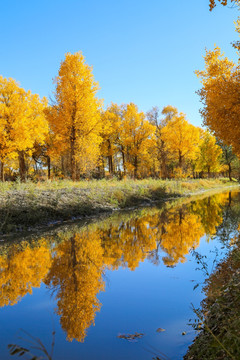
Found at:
(29, 204)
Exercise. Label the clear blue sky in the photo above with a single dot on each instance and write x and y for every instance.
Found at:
(141, 51)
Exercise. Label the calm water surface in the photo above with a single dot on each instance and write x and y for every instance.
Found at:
(133, 272)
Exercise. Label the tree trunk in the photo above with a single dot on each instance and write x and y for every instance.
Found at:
(22, 166)
(73, 154)
(110, 159)
(162, 161)
(180, 158)
(73, 145)
(49, 167)
(124, 164)
(163, 168)
(110, 164)
(229, 171)
(62, 166)
(208, 170)
(2, 171)
(103, 167)
(135, 166)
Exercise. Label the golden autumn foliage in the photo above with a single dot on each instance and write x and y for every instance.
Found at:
(111, 121)
(159, 145)
(135, 134)
(209, 158)
(220, 97)
(22, 122)
(127, 140)
(74, 137)
(181, 138)
(75, 118)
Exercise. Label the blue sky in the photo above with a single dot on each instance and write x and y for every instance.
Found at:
(141, 51)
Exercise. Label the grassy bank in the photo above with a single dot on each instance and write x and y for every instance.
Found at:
(29, 205)
(220, 313)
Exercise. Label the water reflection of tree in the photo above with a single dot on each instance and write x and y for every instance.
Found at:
(229, 225)
(182, 233)
(76, 277)
(22, 269)
(74, 268)
(128, 243)
(210, 211)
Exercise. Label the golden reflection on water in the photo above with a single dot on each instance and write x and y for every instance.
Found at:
(73, 266)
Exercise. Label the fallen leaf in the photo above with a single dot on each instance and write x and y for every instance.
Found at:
(160, 330)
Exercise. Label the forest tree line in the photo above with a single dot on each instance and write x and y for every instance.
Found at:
(74, 137)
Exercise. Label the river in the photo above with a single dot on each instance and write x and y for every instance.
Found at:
(119, 288)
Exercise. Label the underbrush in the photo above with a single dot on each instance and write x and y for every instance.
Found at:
(219, 317)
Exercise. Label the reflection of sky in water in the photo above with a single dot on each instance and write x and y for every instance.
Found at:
(133, 301)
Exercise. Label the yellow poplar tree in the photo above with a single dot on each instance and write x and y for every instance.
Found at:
(210, 154)
(22, 122)
(220, 95)
(75, 118)
(135, 133)
(111, 120)
(181, 138)
(161, 151)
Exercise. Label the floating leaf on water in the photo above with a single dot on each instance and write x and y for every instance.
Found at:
(131, 337)
(160, 330)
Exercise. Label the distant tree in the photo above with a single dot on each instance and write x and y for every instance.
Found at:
(169, 112)
(135, 133)
(210, 154)
(228, 157)
(155, 118)
(111, 120)
(181, 138)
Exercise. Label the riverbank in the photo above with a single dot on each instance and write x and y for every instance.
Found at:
(25, 206)
(219, 317)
